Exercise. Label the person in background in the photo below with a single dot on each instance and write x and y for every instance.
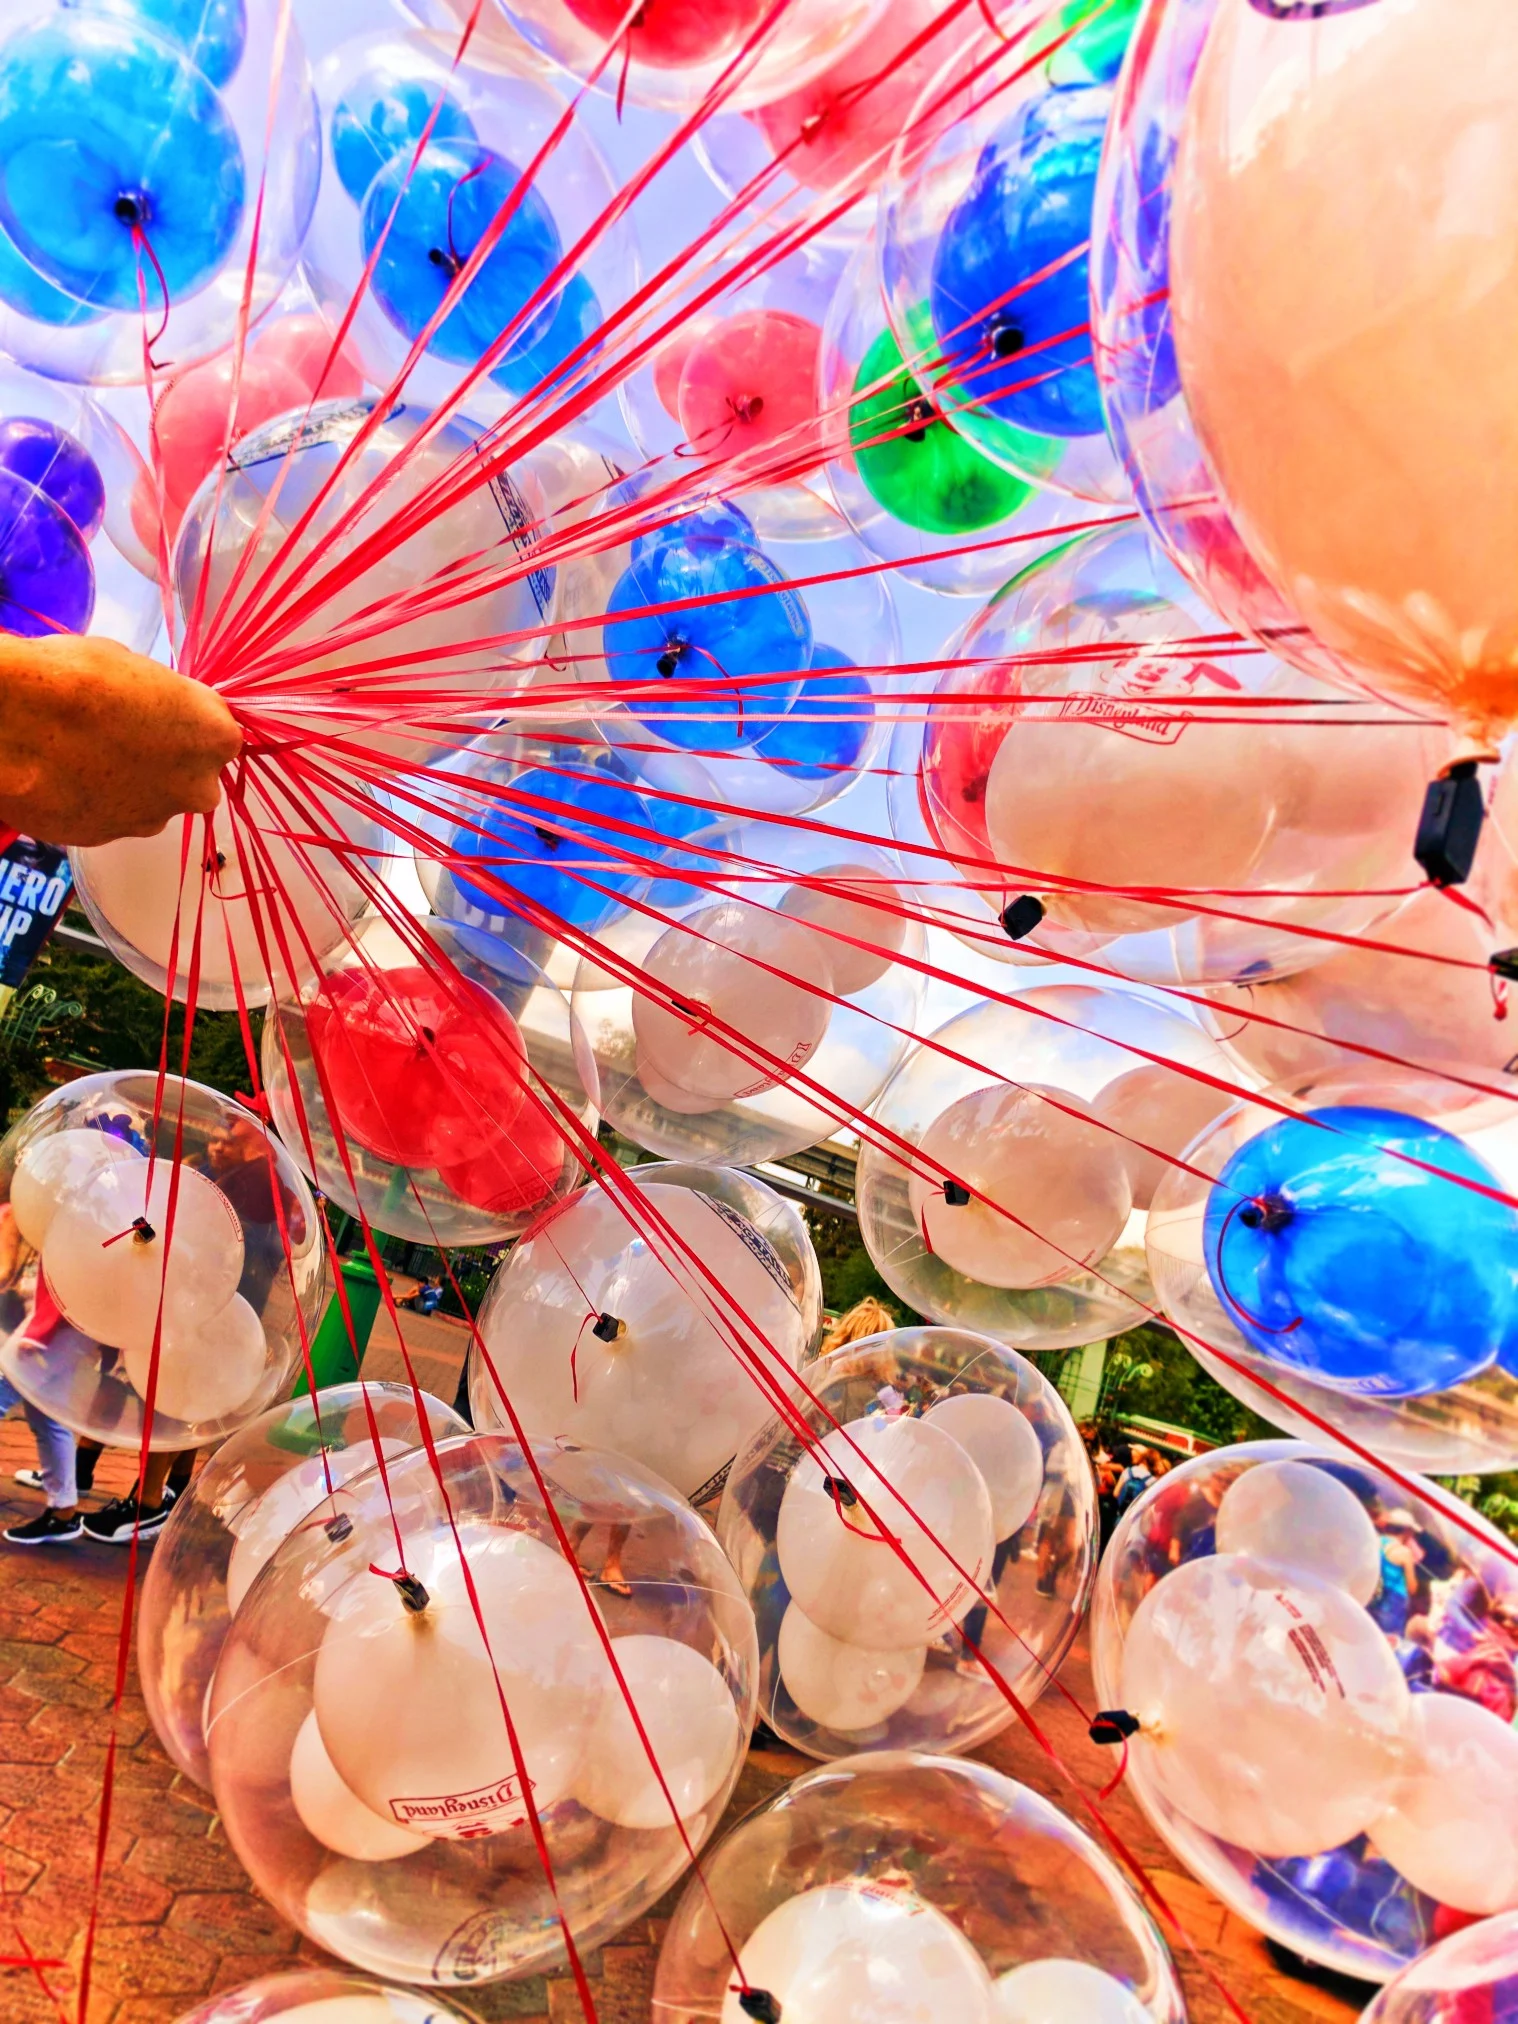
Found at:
(1134, 1480)
(60, 1523)
(428, 1296)
(866, 1317)
(97, 742)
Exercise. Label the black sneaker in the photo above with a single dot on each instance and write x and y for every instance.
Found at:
(48, 1528)
(117, 1521)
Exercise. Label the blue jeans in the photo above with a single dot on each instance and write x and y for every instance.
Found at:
(55, 1448)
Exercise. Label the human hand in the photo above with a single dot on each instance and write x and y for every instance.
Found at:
(97, 742)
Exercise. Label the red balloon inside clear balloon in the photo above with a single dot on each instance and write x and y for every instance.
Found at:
(751, 380)
(421, 1070)
(519, 1170)
(286, 367)
(674, 34)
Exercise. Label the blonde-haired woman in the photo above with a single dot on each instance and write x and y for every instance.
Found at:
(866, 1317)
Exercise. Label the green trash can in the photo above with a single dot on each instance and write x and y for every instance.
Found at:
(335, 1356)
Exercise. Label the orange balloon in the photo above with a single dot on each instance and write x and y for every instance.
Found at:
(1344, 296)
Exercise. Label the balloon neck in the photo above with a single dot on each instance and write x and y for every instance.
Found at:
(956, 1195)
(670, 659)
(339, 1528)
(760, 2005)
(142, 1230)
(1006, 340)
(1022, 916)
(749, 407)
(1269, 1213)
(841, 1491)
(546, 837)
(411, 1592)
(131, 207)
(1113, 1726)
(449, 262)
(919, 413)
(609, 1328)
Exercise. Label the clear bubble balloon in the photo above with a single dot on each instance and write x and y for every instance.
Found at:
(1371, 1206)
(1468, 1977)
(965, 1453)
(1178, 812)
(156, 155)
(916, 1886)
(1006, 1182)
(1328, 1763)
(322, 1996)
(176, 1252)
(437, 1096)
(490, 141)
(350, 1707)
(758, 1009)
(660, 1327)
(288, 1471)
(71, 559)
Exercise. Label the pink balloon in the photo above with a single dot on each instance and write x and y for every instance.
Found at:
(302, 346)
(190, 420)
(750, 380)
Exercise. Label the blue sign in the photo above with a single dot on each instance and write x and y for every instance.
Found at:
(35, 883)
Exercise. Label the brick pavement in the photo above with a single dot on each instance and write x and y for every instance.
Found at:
(178, 1918)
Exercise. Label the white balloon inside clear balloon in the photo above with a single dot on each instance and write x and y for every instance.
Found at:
(333, 1814)
(116, 1250)
(1272, 1711)
(672, 1387)
(151, 895)
(1005, 1449)
(688, 1720)
(1304, 1519)
(835, 1557)
(842, 919)
(1452, 1826)
(1058, 1991)
(746, 1006)
(206, 1368)
(264, 1524)
(857, 1954)
(844, 1687)
(1157, 1112)
(408, 1702)
(1048, 1190)
(52, 1170)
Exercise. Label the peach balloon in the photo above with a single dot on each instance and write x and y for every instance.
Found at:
(1344, 291)
(1158, 1111)
(302, 345)
(838, 915)
(1054, 1186)
(49, 1171)
(712, 964)
(336, 1816)
(688, 1718)
(207, 1368)
(750, 381)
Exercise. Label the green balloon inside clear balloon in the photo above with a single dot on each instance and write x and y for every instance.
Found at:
(912, 463)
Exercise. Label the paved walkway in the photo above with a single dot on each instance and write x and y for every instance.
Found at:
(177, 1917)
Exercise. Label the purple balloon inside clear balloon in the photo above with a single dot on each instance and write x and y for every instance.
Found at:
(57, 464)
(47, 581)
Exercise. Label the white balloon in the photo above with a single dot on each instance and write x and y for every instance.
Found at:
(712, 963)
(1302, 1518)
(396, 2006)
(336, 1816)
(832, 915)
(1158, 1107)
(1273, 1713)
(266, 1521)
(672, 1390)
(111, 1290)
(50, 1170)
(1452, 1827)
(409, 1706)
(853, 1954)
(1049, 1191)
(139, 886)
(838, 1564)
(1005, 1449)
(687, 1712)
(206, 1369)
(1065, 1992)
(845, 1687)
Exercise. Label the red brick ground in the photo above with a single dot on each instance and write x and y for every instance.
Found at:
(177, 1917)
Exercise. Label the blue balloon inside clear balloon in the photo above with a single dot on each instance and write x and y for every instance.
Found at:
(47, 581)
(381, 116)
(447, 205)
(829, 724)
(576, 316)
(756, 625)
(23, 288)
(120, 168)
(719, 519)
(212, 33)
(1010, 273)
(1350, 1890)
(57, 464)
(1336, 1257)
(567, 858)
